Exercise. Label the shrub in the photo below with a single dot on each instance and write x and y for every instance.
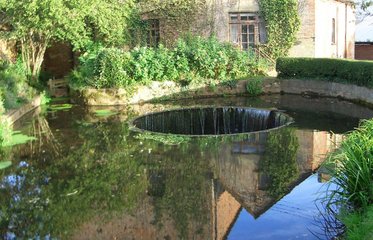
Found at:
(110, 69)
(336, 70)
(13, 85)
(192, 59)
(254, 86)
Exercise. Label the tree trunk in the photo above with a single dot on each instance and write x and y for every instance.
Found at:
(33, 50)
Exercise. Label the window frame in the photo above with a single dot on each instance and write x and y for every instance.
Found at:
(153, 40)
(241, 20)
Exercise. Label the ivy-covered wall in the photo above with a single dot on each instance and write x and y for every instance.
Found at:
(212, 17)
(293, 27)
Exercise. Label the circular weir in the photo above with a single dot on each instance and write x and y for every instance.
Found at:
(211, 121)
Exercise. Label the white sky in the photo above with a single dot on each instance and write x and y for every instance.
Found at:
(364, 25)
(364, 30)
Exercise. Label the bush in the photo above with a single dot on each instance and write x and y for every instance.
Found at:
(254, 86)
(13, 85)
(192, 59)
(335, 70)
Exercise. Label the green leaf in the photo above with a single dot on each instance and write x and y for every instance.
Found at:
(18, 138)
(104, 113)
(5, 164)
(64, 106)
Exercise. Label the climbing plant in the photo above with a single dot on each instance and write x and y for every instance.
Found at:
(177, 16)
(282, 24)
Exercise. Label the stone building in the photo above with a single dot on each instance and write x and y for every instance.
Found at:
(327, 26)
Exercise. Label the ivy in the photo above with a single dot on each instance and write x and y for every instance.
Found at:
(177, 16)
(282, 24)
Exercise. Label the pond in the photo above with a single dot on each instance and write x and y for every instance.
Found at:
(88, 176)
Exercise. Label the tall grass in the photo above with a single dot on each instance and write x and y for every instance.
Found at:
(359, 225)
(352, 169)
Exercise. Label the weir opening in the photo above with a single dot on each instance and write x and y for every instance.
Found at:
(211, 121)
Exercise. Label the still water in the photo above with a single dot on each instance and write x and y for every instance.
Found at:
(87, 176)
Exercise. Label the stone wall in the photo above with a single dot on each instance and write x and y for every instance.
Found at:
(305, 44)
(171, 90)
(314, 36)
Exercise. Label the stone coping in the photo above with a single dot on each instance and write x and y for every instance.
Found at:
(170, 90)
(320, 88)
(14, 115)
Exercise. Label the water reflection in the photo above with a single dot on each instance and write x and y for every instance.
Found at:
(90, 178)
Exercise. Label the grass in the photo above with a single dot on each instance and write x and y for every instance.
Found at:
(359, 225)
(353, 168)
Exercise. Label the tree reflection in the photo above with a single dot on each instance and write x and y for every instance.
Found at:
(51, 198)
(279, 163)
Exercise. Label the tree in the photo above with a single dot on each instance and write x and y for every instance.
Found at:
(35, 23)
(364, 8)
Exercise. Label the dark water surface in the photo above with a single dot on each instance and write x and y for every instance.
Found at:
(90, 177)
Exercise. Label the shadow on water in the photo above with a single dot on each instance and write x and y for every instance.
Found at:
(90, 177)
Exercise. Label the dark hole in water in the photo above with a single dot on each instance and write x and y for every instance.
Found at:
(212, 121)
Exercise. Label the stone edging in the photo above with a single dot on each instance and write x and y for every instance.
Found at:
(14, 115)
(320, 88)
(170, 90)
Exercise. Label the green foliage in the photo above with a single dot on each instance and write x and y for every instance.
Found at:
(18, 138)
(2, 109)
(5, 132)
(110, 69)
(280, 160)
(56, 107)
(193, 59)
(359, 225)
(168, 139)
(97, 179)
(282, 24)
(254, 86)
(14, 87)
(105, 113)
(335, 70)
(44, 98)
(36, 23)
(177, 16)
(352, 169)
(5, 164)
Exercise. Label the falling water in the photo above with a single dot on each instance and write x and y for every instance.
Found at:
(212, 121)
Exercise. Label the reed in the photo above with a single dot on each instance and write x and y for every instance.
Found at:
(352, 169)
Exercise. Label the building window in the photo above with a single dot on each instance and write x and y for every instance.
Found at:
(246, 30)
(333, 30)
(153, 33)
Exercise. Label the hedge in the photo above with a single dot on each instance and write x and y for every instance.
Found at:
(334, 70)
